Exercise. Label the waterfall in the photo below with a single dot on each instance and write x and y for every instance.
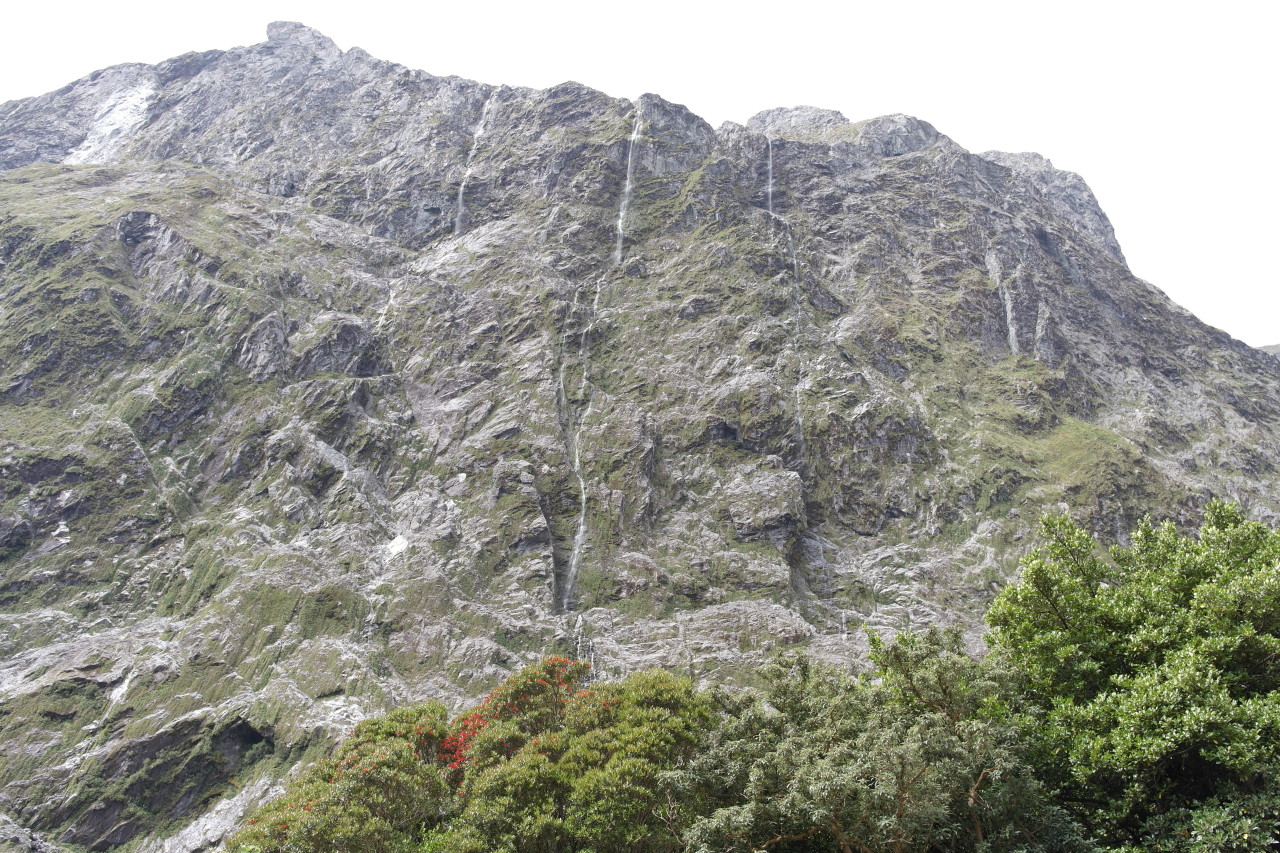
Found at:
(574, 427)
(1010, 321)
(802, 448)
(460, 217)
(683, 650)
(795, 267)
(1006, 297)
(574, 440)
(768, 187)
(580, 535)
(626, 189)
(584, 649)
(388, 305)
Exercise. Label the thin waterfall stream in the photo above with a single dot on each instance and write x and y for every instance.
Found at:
(575, 458)
(625, 205)
(802, 448)
(573, 432)
(797, 314)
(768, 187)
(585, 389)
(1006, 297)
(460, 215)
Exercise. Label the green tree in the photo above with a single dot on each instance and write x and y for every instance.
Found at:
(1158, 665)
(381, 791)
(579, 771)
(927, 756)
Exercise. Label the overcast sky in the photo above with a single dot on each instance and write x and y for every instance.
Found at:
(1167, 110)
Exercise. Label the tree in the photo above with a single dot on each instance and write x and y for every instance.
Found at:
(1158, 665)
(586, 777)
(542, 764)
(926, 757)
(379, 793)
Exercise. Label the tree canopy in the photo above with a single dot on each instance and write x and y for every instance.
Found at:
(925, 756)
(1158, 666)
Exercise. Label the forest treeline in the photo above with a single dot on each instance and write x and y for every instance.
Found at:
(1129, 701)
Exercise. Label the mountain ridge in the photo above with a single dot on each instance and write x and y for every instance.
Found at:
(336, 385)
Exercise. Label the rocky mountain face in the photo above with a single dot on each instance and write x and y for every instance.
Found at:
(327, 385)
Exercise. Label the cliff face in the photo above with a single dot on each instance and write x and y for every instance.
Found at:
(327, 385)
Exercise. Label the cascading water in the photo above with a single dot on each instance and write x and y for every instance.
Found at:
(575, 460)
(387, 306)
(797, 315)
(626, 191)
(1006, 296)
(572, 429)
(585, 391)
(768, 187)
(802, 448)
(584, 649)
(460, 217)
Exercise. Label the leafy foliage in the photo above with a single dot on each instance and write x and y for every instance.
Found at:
(583, 773)
(926, 758)
(540, 764)
(1157, 666)
(377, 794)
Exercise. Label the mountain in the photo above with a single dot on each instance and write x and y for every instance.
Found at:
(327, 385)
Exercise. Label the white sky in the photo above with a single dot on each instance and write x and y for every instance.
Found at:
(1168, 110)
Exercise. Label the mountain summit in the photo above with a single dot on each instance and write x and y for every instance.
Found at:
(328, 385)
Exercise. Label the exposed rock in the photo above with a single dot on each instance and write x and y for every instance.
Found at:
(766, 501)
(1068, 191)
(798, 123)
(328, 385)
(16, 839)
(896, 135)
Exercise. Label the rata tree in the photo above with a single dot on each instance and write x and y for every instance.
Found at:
(529, 703)
(550, 767)
(1158, 665)
(380, 792)
(544, 763)
(400, 778)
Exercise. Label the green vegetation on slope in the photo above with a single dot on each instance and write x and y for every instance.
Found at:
(927, 756)
(1131, 702)
(542, 764)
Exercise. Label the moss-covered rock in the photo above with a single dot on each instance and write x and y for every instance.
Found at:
(317, 398)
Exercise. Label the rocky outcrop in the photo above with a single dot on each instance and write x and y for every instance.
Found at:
(328, 385)
(1067, 191)
(17, 839)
